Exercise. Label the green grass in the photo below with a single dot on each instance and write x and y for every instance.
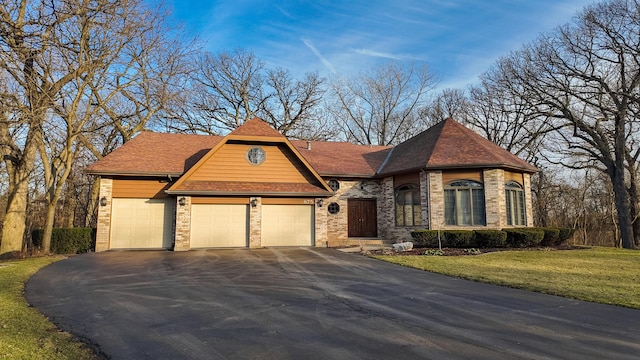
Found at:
(24, 332)
(603, 275)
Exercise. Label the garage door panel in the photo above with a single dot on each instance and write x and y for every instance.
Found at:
(219, 225)
(287, 225)
(141, 223)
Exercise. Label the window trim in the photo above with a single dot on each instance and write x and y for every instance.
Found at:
(459, 187)
(514, 192)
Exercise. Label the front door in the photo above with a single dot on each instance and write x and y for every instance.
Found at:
(362, 218)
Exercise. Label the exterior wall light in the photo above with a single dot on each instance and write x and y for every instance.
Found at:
(320, 202)
(182, 201)
(103, 201)
(253, 202)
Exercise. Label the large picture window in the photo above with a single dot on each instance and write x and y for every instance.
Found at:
(464, 203)
(514, 194)
(408, 205)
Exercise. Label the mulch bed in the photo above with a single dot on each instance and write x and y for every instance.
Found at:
(463, 252)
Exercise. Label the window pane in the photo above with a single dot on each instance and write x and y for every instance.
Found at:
(509, 207)
(463, 199)
(520, 208)
(417, 217)
(399, 215)
(450, 207)
(478, 207)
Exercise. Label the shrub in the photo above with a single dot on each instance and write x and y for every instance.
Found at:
(490, 238)
(551, 237)
(565, 234)
(425, 238)
(524, 237)
(458, 238)
(67, 240)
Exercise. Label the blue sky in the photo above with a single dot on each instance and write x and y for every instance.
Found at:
(458, 39)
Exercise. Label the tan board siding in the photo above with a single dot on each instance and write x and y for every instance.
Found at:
(149, 189)
(229, 163)
(413, 178)
(219, 200)
(287, 201)
(449, 176)
(511, 176)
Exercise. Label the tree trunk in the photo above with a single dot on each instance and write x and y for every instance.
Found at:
(48, 227)
(14, 223)
(634, 203)
(623, 209)
(91, 210)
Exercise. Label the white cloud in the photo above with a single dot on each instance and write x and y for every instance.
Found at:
(373, 53)
(317, 53)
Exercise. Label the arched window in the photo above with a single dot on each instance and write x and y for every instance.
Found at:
(408, 205)
(514, 194)
(464, 203)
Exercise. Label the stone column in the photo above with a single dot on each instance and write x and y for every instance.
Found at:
(183, 224)
(255, 224)
(495, 202)
(103, 227)
(424, 199)
(436, 200)
(386, 213)
(527, 198)
(320, 218)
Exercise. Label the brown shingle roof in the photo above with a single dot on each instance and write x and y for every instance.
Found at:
(152, 153)
(449, 144)
(341, 158)
(256, 127)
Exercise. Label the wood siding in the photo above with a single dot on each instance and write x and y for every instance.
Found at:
(147, 189)
(449, 176)
(229, 163)
(511, 176)
(287, 201)
(413, 178)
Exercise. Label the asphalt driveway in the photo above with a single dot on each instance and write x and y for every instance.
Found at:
(307, 303)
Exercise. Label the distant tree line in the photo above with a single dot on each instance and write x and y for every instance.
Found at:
(82, 77)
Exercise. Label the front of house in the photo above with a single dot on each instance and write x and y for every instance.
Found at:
(256, 188)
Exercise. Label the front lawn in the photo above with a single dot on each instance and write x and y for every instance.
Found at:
(603, 275)
(24, 332)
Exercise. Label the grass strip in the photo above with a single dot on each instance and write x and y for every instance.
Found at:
(602, 275)
(24, 332)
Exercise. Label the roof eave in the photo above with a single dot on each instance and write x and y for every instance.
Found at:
(248, 193)
(132, 173)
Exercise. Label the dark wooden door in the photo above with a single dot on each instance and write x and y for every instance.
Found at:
(362, 219)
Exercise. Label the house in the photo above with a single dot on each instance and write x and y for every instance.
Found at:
(256, 188)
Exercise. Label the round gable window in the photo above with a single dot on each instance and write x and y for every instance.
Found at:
(256, 155)
(334, 184)
(333, 208)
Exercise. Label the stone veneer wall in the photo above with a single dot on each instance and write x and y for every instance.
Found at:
(182, 230)
(255, 224)
(337, 227)
(104, 216)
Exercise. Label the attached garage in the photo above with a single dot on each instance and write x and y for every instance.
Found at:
(219, 225)
(287, 225)
(142, 223)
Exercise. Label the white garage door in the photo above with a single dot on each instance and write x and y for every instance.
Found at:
(287, 225)
(142, 223)
(218, 225)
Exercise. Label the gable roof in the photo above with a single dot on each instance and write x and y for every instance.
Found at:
(343, 159)
(250, 132)
(450, 145)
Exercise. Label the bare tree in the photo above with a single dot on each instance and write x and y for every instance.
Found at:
(448, 103)
(585, 77)
(380, 107)
(59, 56)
